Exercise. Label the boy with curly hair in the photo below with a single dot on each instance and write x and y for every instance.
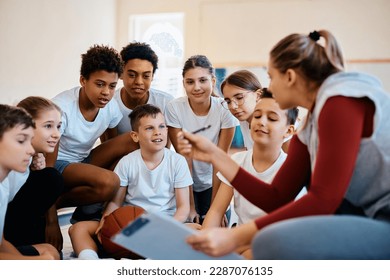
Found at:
(140, 65)
(88, 111)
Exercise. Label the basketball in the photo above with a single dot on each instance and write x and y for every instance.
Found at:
(113, 224)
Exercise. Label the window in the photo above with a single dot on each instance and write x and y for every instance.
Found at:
(164, 33)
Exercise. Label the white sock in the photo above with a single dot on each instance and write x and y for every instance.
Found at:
(88, 254)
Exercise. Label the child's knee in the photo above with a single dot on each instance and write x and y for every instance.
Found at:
(75, 229)
(48, 249)
(109, 186)
(82, 228)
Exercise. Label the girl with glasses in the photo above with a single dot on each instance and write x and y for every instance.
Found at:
(241, 90)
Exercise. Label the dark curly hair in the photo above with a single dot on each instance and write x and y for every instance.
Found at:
(100, 57)
(138, 50)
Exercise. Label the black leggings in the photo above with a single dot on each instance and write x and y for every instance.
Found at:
(202, 202)
(25, 221)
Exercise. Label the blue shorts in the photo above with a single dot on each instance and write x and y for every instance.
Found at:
(60, 165)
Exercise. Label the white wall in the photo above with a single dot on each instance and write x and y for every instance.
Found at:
(240, 33)
(42, 40)
(245, 31)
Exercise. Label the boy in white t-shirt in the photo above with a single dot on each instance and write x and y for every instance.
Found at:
(154, 178)
(140, 65)
(16, 151)
(88, 111)
(270, 125)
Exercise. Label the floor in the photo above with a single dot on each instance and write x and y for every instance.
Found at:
(63, 218)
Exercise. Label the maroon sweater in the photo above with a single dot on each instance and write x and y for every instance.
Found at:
(342, 123)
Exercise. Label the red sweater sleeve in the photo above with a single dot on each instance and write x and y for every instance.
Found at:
(342, 123)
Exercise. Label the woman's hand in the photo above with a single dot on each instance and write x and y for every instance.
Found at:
(214, 241)
(200, 148)
(195, 146)
(222, 241)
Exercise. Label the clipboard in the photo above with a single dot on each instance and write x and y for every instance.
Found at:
(160, 237)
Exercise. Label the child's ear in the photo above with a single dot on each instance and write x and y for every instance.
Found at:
(134, 136)
(82, 81)
(214, 81)
(258, 94)
(290, 131)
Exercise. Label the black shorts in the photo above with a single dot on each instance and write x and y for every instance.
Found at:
(28, 250)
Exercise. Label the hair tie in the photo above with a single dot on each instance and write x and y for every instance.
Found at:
(315, 36)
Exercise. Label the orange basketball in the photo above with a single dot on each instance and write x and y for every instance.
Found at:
(113, 224)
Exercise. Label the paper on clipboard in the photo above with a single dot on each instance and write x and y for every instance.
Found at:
(160, 237)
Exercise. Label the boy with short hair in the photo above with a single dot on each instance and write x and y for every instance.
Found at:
(152, 177)
(269, 127)
(16, 151)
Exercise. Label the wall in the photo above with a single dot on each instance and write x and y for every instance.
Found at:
(42, 40)
(240, 33)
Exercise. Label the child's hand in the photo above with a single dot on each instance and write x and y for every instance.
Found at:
(193, 217)
(194, 226)
(99, 228)
(38, 162)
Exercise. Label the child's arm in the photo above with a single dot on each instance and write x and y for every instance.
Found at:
(53, 230)
(108, 134)
(182, 204)
(218, 208)
(193, 216)
(172, 133)
(115, 203)
(224, 143)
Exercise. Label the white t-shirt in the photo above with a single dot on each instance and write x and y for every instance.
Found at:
(246, 135)
(178, 114)
(153, 190)
(78, 136)
(4, 199)
(245, 210)
(156, 97)
(8, 189)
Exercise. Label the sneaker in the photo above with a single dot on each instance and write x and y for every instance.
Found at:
(92, 212)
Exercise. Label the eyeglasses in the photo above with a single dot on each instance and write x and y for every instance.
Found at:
(239, 100)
